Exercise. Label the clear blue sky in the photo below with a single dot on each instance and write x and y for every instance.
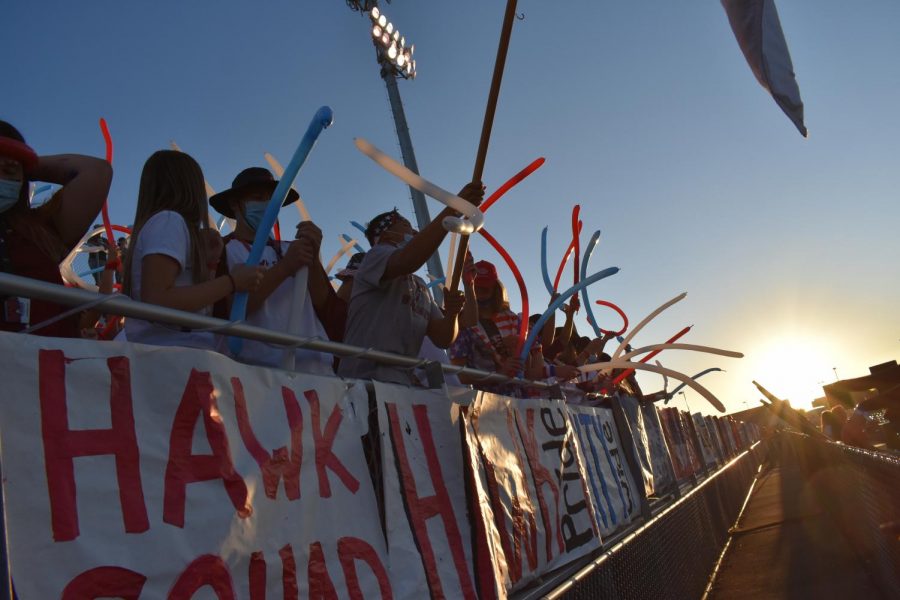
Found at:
(646, 112)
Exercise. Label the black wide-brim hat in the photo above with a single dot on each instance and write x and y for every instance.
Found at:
(248, 180)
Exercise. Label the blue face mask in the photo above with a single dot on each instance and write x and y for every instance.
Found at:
(407, 238)
(253, 214)
(9, 193)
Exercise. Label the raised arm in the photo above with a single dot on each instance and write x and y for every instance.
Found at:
(85, 182)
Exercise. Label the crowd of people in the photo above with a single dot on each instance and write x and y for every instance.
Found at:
(175, 259)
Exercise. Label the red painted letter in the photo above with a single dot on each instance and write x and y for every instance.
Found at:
(279, 464)
(183, 467)
(351, 549)
(62, 445)
(320, 585)
(205, 570)
(105, 582)
(421, 509)
(323, 442)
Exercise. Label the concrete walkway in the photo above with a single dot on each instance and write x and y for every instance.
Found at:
(785, 546)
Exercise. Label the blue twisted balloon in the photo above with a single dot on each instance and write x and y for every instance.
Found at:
(435, 282)
(358, 226)
(559, 302)
(584, 295)
(356, 246)
(697, 376)
(547, 282)
(323, 118)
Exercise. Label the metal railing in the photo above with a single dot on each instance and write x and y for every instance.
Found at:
(863, 500)
(15, 285)
(669, 556)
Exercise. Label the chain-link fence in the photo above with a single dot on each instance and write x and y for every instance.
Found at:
(860, 490)
(673, 554)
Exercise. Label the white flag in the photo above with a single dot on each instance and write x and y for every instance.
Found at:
(758, 31)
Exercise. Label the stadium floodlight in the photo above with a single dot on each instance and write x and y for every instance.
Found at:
(393, 53)
(365, 6)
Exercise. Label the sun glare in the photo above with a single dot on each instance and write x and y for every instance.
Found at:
(793, 368)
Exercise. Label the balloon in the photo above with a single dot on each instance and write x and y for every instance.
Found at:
(356, 246)
(322, 119)
(621, 314)
(109, 158)
(544, 273)
(435, 282)
(523, 322)
(513, 181)
(646, 320)
(358, 226)
(623, 364)
(473, 220)
(671, 340)
(348, 245)
(671, 394)
(566, 256)
(584, 295)
(691, 347)
(559, 302)
(576, 239)
(279, 173)
(277, 231)
(65, 267)
(450, 264)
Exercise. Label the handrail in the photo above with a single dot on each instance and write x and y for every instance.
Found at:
(16, 285)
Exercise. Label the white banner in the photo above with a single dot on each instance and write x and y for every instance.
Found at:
(535, 483)
(428, 532)
(613, 489)
(134, 471)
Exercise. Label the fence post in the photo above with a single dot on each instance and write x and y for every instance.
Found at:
(630, 451)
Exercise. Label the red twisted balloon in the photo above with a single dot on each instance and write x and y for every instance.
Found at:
(523, 323)
(515, 179)
(109, 158)
(576, 239)
(576, 233)
(621, 314)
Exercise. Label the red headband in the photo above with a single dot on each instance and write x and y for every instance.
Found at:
(19, 151)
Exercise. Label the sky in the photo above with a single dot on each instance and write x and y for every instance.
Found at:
(646, 112)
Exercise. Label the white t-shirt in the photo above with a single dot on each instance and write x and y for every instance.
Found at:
(165, 233)
(274, 314)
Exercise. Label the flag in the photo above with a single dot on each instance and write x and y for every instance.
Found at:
(758, 31)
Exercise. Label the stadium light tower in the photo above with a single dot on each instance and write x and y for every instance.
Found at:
(395, 57)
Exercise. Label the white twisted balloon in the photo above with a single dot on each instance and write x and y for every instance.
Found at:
(646, 320)
(693, 347)
(466, 226)
(627, 364)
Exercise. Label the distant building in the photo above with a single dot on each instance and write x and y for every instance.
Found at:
(850, 392)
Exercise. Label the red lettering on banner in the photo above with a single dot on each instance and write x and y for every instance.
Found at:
(257, 576)
(205, 570)
(279, 464)
(325, 457)
(62, 445)
(522, 537)
(184, 467)
(351, 549)
(105, 582)
(421, 509)
(542, 477)
(320, 584)
(288, 573)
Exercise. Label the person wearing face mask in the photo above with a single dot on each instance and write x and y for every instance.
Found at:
(270, 305)
(33, 241)
(390, 307)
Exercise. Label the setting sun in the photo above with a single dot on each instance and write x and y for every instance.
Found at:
(794, 367)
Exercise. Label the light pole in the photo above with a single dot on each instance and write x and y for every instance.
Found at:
(395, 57)
(684, 397)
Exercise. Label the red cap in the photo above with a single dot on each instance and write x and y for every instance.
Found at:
(19, 151)
(485, 274)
